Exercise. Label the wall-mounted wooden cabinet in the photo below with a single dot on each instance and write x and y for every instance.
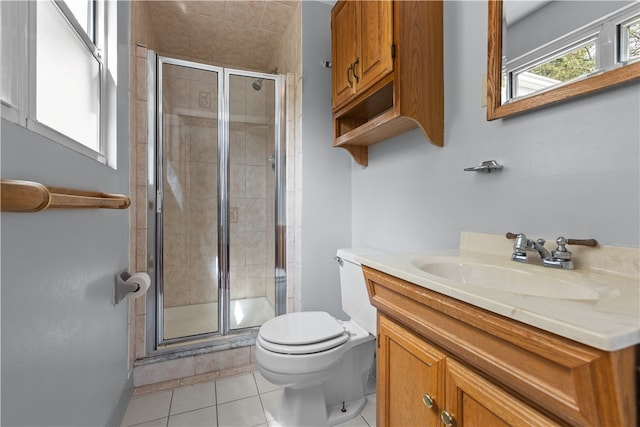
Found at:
(362, 46)
(438, 355)
(387, 72)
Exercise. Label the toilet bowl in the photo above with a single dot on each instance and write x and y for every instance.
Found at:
(322, 363)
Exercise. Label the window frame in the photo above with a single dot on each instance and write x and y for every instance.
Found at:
(607, 34)
(98, 45)
(623, 36)
(16, 113)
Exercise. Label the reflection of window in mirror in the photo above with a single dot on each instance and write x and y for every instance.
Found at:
(580, 39)
(560, 67)
(630, 40)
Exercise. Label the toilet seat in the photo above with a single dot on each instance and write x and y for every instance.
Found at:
(302, 333)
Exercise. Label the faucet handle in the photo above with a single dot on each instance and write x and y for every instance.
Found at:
(582, 242)
(561, 251)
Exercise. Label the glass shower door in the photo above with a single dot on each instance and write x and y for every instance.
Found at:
(252, 211)
(189, 188)
(218, 179)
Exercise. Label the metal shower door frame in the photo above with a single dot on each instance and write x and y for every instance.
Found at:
(155, 300)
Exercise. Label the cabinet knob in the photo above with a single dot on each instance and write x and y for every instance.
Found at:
(446, 418)
(427, 400)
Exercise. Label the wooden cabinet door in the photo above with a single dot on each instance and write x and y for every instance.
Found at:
(473, 401)
(407, 369)
(345, 45)
(376, 34)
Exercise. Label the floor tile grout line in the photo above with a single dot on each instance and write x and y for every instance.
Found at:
(194, 410)
(264, 413)
(215, 388)
(173, 391)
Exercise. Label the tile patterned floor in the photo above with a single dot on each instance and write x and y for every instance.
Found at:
(244, 400)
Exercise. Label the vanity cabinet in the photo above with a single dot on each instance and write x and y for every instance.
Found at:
(409, 377)
(418, 384)
(437, 354)
(387, 70)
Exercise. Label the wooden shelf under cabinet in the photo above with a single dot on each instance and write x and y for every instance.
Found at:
(408, 91)
(482, 367)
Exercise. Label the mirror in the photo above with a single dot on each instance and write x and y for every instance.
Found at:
(528, 51)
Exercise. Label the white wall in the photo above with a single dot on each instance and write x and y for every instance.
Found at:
(326, 193)
(570, 169)
(64, 343)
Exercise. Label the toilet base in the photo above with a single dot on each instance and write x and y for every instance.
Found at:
(298, 408)
(310, 403)
(353, 409)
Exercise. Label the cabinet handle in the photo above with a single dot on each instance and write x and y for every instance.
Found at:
(427, 400)
(354, 70)
(446, 418)
(350, 69)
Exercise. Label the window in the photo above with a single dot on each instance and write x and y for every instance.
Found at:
(604, 44)
(559, 67)
(630, 40)
(56, 79)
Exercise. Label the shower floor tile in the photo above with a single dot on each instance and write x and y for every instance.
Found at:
(245, 400)
(188, 320)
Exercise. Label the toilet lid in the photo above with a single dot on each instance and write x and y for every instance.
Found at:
(302, 328)
(305, 348)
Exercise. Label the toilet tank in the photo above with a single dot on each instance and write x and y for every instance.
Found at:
(355, 299)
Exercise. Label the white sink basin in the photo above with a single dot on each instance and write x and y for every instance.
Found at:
(519, 279)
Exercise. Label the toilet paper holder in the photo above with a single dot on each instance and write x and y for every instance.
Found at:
(122, 289)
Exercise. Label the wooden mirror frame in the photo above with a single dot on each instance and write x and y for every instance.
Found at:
(495, 108)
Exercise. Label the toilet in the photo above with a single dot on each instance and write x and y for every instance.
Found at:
(322, 363)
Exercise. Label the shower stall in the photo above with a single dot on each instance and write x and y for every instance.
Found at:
(216, 202)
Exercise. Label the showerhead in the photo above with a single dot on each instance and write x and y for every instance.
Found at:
(257, 84)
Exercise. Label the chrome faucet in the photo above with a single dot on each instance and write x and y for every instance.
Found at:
(558, 258)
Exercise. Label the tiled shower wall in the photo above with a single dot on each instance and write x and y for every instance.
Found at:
(140, 37)
(288, 61)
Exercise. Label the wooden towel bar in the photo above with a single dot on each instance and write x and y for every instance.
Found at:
(27, 196)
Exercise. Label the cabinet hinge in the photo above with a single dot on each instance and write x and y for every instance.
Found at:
(393, 51)
(378, 340)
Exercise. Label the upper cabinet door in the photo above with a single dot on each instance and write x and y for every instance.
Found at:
(361, 39)
(345, 30)
(376, 34)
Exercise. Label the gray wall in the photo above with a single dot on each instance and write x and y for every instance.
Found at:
(570, 169)
(554, 20)
(64, 343)
(326, 176)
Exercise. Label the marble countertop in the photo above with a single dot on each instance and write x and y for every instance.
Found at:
(609, 321)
